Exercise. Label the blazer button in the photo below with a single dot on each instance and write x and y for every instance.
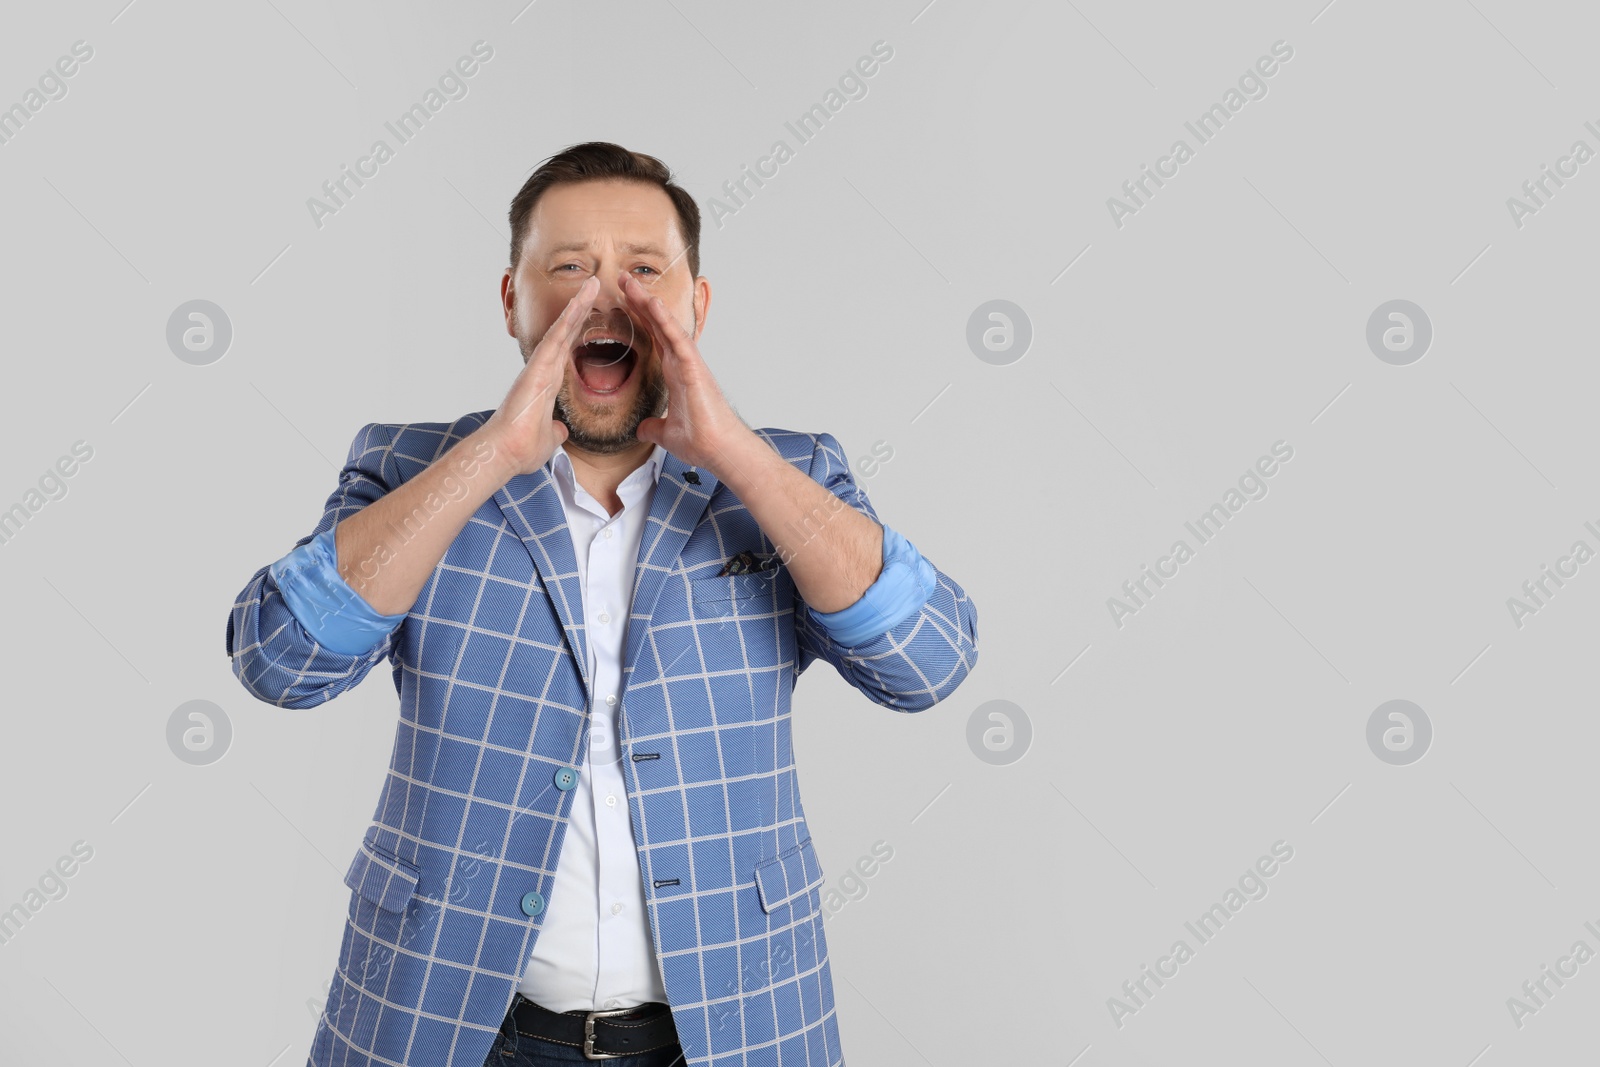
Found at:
(566, 778)
(532, 903)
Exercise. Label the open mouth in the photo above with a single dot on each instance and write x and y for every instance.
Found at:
(604, 364)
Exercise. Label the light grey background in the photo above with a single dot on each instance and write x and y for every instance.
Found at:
(1168, 354)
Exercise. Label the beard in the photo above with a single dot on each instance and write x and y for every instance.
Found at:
(606, 432)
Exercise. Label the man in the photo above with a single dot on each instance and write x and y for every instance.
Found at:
(596, 599)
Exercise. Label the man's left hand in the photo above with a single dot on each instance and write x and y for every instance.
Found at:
(833, 551)
(700, 428)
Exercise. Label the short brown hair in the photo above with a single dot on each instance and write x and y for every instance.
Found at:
(601, 159)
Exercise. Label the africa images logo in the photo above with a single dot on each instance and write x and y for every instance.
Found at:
(452, 85)
(1210, 122)
(1252, 486)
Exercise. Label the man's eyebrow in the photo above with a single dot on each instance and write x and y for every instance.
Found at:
(627, 246)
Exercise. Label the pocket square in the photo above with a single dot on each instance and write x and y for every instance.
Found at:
(748, 562)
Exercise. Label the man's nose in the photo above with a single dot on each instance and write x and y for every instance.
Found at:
(610, 295)
(610, 306)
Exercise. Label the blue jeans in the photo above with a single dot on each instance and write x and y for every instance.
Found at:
(511, 1049)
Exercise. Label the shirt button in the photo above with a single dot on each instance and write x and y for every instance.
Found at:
(566, 778)
(611, 701)
(532, 903)
(616, 909)
(605, 617)
(611, 801)
(611, 1003)
(608, 532)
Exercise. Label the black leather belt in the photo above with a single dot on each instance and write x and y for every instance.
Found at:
(602, 1035)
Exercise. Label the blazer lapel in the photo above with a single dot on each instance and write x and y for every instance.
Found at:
(676, 510)
(531, 504)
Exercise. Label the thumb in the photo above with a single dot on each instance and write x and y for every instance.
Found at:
(652, 430)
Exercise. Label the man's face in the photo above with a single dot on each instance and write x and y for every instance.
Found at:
(613, 378)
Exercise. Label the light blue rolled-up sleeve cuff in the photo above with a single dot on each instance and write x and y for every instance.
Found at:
(317, 594)
(905, 585)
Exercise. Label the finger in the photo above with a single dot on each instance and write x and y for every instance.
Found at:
(631, 293)
(667, 333)
(677, 336)
(672, 365)
(652, 430)
(563, 333)
(556, 343)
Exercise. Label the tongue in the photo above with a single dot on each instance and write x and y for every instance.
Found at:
(604, 371)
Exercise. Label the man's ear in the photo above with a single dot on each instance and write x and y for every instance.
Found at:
(508, 302)
(702, 304)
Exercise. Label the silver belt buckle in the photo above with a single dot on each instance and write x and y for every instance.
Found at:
(588, 1034)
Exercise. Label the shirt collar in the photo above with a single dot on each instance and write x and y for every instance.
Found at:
(561, 464)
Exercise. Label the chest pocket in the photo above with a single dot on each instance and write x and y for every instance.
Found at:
(719, 589)
(715, 623)
(761, 603)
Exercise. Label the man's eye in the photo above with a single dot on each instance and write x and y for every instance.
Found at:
(652, 270)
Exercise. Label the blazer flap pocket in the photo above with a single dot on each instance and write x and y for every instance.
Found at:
(790, 874)
(382, 877)
(719, 587)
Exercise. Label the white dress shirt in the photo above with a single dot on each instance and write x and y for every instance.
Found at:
(594, 951)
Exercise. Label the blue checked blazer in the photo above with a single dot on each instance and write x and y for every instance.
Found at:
(448, 884)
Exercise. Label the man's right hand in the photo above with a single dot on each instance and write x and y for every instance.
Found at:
(387, 550)
(523, 429)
